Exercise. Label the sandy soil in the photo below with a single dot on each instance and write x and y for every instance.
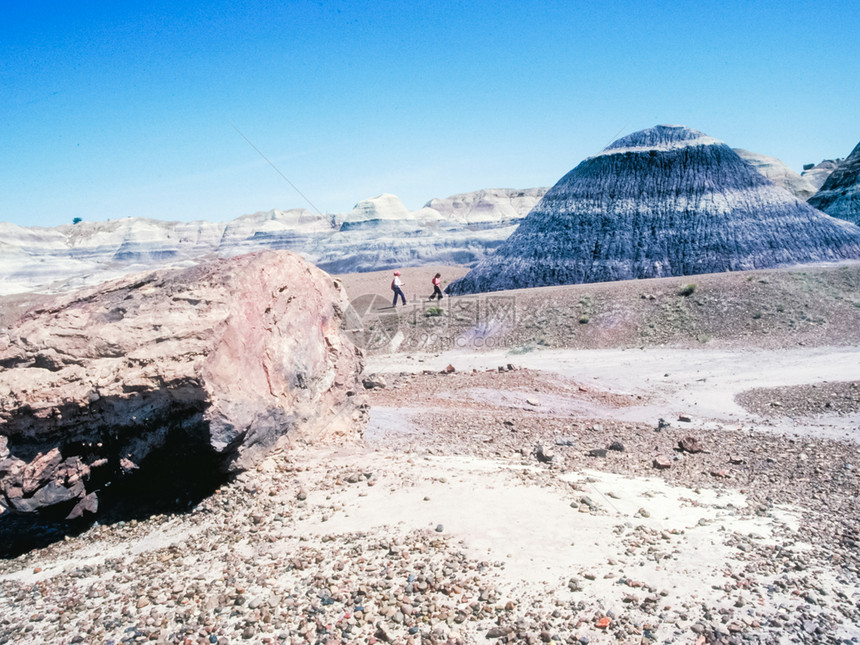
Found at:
(773, 309)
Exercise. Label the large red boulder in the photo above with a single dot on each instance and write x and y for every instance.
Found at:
(227, 358)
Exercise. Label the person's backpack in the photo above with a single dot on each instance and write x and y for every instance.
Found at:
(392, 285)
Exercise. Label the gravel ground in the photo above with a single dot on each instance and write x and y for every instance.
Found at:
(803, 400)
(500, 503)
(515, 517)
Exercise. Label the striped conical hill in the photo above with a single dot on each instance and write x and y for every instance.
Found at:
(667, 201)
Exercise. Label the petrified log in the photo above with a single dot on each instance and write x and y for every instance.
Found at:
(226, 358)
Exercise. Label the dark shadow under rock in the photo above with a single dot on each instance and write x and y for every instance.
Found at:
(170, 480)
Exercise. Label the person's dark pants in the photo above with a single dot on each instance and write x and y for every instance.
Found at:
(398, 292)
(437, 293)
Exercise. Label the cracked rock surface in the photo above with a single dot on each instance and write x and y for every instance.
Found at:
(217, 362)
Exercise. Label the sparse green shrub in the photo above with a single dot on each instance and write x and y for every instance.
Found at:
(757, 315)
(780, 308)
(433, 311)
(687, 290)
(521, 349)
(77, 220)
(583, 319)
(543, 341)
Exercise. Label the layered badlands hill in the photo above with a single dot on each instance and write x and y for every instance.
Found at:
(819, 173)
(780, 174)
(664, 201)
(378, 233)
(840, 194)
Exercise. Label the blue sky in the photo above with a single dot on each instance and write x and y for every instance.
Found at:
(112, 109)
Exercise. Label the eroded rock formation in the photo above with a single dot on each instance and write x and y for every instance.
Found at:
(817, 174)
(379, 233)
(665, 201)
(840, 194)
(779, 174)
(223, 360)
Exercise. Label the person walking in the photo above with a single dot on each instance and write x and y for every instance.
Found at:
(396, 285)
(437, 287)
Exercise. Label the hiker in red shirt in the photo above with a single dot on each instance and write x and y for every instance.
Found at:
(437, 287)
(395, 287)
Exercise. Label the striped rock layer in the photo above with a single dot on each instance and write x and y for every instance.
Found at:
(666, 201)
(840, 194)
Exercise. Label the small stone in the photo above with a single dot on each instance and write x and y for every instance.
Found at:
(691, 445)
(439, 528)
(661, 463)
(542, 454)
(373, 381)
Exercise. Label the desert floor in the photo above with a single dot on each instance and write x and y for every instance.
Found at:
(585, 482)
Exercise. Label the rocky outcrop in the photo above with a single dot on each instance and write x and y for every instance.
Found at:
(222, 360)
(840, 194)
(378, 233)
(488, 206)
(779, 174)
(817, 174)
(665, 201)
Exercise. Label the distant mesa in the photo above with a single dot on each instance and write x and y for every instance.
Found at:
(486, 207)
(666, 201)
(817, 174)
(840, 194)
(378, 233)
(780, 174)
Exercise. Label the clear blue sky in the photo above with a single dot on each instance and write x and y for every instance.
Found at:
(116, 109)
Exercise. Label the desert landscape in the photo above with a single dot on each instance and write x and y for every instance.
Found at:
(666, 460)
(618, 401)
